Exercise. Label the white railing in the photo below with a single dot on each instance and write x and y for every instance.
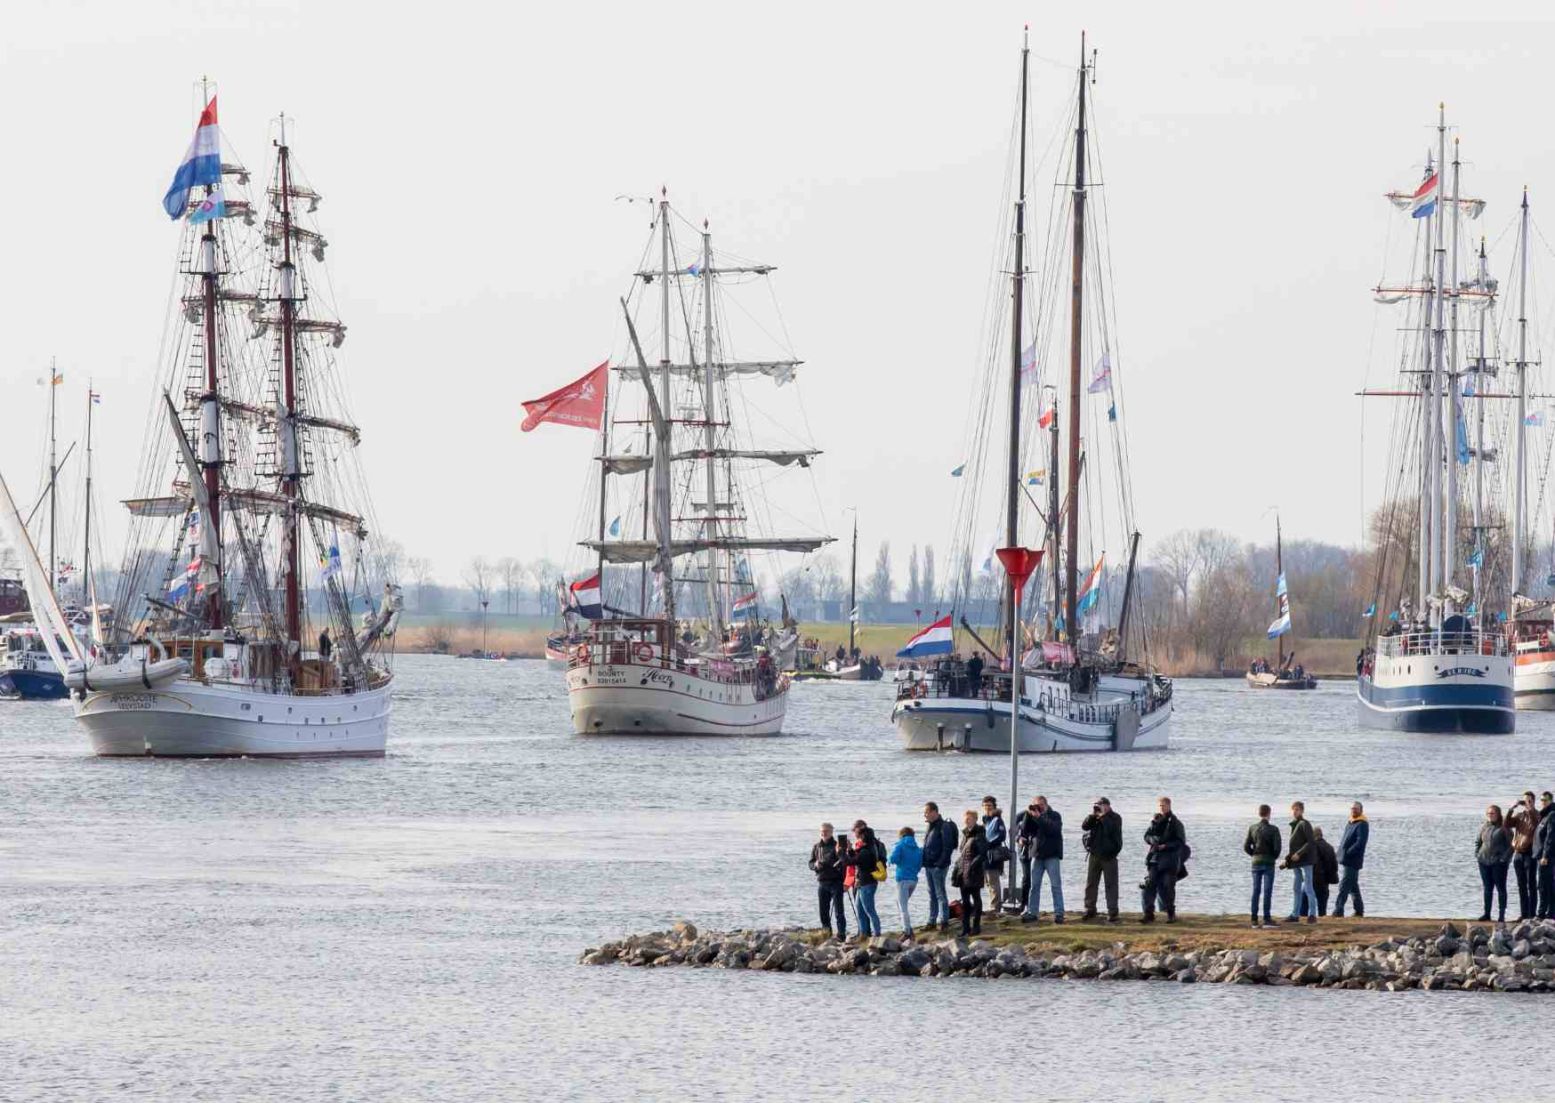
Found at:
(1471, 642)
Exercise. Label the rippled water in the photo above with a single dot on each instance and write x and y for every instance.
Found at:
(407, 928)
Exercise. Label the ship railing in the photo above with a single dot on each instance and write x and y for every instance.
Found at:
(1471, 642)
(994, 688)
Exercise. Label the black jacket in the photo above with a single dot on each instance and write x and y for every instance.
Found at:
(1325, 870)
(939, 844)
(1544, 836)
(1049, 842)
(1165, 837)
(1103, 834)
(1262, 844)
(866, 856)
(1301, 839)
(1025, 832)
(827, 860)
(971, 863)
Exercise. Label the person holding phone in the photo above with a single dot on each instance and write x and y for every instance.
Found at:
(1522, 820)
(1101, 833)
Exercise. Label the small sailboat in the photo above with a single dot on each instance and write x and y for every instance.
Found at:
(651, 672)
(1285, 673)
(251, 474)
(1435, 667)
(1080, 688)
(850, 664)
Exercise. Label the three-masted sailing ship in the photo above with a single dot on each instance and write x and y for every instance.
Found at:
(255, 616)
(1081, 689)
(1285, 673)
(693, 658)
(1436, 667)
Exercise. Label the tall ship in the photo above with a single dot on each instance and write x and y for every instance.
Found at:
(1086, 684)
(1286, 673)
(675, 643)
(256, 616)
(1435, 665)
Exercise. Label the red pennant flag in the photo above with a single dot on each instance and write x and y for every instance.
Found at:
(1047, 417)
(580, 403)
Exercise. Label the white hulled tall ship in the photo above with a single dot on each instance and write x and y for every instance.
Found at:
(1437, 667)
(255, 616)
(694, 657)
(1084, 686)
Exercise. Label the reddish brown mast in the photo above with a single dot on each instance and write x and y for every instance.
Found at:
(291, 473)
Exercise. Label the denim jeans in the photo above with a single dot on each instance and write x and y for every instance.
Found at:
(1493, 879)
(904, 890)
(1302, 887)
(830, 895)
(864, 903)
(1263, 882)
(1046, 867)
(1350, 885)
(939, 903)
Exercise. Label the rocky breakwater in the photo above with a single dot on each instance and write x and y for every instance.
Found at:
(1519, 958)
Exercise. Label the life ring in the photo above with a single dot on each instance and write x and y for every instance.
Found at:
(644, 652)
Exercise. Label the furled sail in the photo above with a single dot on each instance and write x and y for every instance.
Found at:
(644, 551)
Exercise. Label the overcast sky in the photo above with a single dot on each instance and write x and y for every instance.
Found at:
(470, 154)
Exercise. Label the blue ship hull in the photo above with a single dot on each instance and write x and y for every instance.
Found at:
(1437, 709)
(32, 685)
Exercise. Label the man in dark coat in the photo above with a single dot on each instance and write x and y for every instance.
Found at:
(1352, 856)
(1047, 856)
(1544, 847)
(1299, 860)
(828, 858)
(1165, 840)
(1102, 834)
(1325, 870)
(939, 850)
(1025, 842)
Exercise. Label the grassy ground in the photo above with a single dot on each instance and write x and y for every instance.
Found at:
(1195, 932)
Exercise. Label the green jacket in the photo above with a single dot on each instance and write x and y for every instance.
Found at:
(1262, 843)
(1301, 839)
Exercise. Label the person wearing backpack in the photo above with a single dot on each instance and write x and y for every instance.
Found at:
(1101, 833)
(1262, 845)
(998, 838)
(1299, 859)
(867, 857)
(828, 860)
(907, 857)
(939, 851)
(1166, 849)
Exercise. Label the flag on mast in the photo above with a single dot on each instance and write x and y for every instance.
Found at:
(584, 595)
(933, 640)
(201, 165)
(580, 403)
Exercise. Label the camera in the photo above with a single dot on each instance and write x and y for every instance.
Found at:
(1096, 808)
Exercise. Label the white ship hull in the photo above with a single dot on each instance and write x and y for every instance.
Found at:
(632, 699)
(1419, 683)
(1051, 721)
(191, 719)
(1533, 681)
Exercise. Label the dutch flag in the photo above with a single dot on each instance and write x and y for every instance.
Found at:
(585, 597)
(1423, 203)
(748, 602)
(933, 640)
(201, 166)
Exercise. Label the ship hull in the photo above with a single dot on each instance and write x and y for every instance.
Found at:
(32, 685)
(189, 719)
(1471, 696)
(1533, 681)
(1273, 681)
(632, 699)
(1051, 722)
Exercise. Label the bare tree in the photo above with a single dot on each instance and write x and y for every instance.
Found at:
(879, 590)
(478, 576)
(928, 593)
(420, 568)
(511, 573)
(914, 580)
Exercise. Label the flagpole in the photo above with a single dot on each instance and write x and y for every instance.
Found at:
(53, 475)
(1519, 439)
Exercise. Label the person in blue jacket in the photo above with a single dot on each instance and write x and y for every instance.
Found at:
(907, 857)
(1352, 856)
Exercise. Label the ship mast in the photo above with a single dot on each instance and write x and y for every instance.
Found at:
(1479, 430)
(1072, 519)
(709, 404)
(291, 470)
(53, 477)
(853, 589)
(1450, 426)
(1519, 441)
(1052, 517)
(210, 422)
(1012, 497)
(661, 478)
(88, 588)
(1438, 448)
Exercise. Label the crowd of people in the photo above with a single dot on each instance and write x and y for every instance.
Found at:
(990, 865)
